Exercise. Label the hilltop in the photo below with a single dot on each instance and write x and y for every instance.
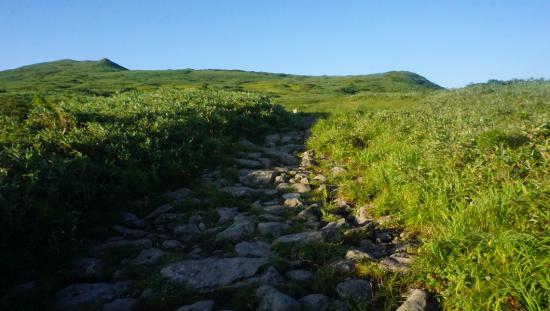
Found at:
(105, 77)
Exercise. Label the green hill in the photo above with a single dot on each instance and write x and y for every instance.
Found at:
(105, 77)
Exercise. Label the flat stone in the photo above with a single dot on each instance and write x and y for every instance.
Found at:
(299, 275)
(77, 296)
(160, 210)
(148, 257)
(273, 300)
(238, 231)
(315, 302)
(121, 304)
(274, 229)
(257, 178)
(253, 249)
(416, 301)
(211, 273)
(226, 213)
(132, 220)
(300, 238)
(204, 305)
(355, 289)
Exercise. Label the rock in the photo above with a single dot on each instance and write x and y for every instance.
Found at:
(340, 207)
(299, 275)
(308, 162)
(246, 143)
(309, 214)
(101, 249)
(148, 257)
(282, 157)
(272, 140)
(338, 170)
(173, 245)
(274, 229)
(300, 238)
(86, 268)
(271, 218)
(393, 265)
(130, 233)
(160, 210)
(273, 300)
(344, 266)
(357, 255)
(258, 178)
(280, 179)
(77, 296)
(186, 230)
(291, 195)
(283, 187)
(177, 196)
(361, 216)
(301, 188)
(240, 191)
(121, 304)
(416, 301)
(320, 178)
(372, 249)
(211, 273)
(253, 249)
(355, 289)
(226, 213)
(292, 203)
(248, 163)
(168, 218)
(204, 305)
(132, 220)
(238, 231)
(403, 258)
(382, 236)
(315, 302)
(274, 209)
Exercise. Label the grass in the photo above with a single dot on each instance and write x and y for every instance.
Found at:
(466, 171)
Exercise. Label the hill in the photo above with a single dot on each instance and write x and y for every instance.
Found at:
(105, 77)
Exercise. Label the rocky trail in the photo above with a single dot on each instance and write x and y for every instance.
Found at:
(290, 244)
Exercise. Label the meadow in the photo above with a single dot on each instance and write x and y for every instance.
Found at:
(464, 171)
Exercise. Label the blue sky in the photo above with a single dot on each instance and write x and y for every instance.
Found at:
(451, 43)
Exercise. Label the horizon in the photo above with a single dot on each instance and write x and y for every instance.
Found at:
(466, 43)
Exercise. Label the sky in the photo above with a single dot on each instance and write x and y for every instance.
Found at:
(451, 43)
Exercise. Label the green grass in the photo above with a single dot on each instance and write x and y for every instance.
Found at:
(467, 171)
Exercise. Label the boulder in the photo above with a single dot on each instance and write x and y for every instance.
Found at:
(355, 289)
(273, 300)
(211, 273)
(416, 301)
(238, 231)
(257, 178)
(301, 188)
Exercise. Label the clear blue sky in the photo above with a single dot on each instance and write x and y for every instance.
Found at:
(450, 42)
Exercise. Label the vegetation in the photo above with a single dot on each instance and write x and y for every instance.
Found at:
(64, 158)
(464, 171)
(467, 172)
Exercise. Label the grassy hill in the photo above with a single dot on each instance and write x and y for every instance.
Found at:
(105, 78)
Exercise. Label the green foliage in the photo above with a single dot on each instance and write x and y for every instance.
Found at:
(466, 170)
(64, 157)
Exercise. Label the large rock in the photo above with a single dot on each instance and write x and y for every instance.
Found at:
(238, 231)
(78, 296)
(301, 187)
(253, 249)
(211, 273)
(355, 289)
(315, 302)
(204, 305)
(299, 238)
(121, 304)
(274, 229)
(361, 215)
(273, 300)
(417, 301)
(257, 178)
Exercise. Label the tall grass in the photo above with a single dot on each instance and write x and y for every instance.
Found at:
(468, 172)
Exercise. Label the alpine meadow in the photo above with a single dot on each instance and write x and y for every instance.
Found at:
(274, 155)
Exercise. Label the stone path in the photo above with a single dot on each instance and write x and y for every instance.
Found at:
(209, 258)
